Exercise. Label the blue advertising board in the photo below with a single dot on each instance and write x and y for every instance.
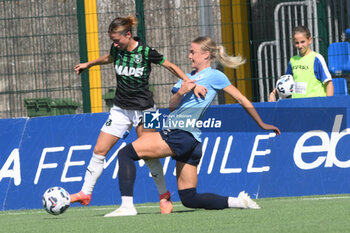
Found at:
(310, 157)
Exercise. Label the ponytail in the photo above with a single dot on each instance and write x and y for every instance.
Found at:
(123, 25)
(218, 52)
(226, 60)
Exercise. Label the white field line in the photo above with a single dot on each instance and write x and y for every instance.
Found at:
(77, 209)
(308, 198)
(324, 198)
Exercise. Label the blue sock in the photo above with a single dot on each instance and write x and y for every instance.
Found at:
(210, 201)
(127, 170)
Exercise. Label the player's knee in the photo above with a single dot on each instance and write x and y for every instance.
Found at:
(100, 151)
(128, 151)
(187, 197)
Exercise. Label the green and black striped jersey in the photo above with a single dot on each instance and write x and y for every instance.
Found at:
(133, 70)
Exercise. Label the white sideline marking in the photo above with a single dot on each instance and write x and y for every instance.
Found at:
(155, 206)
(310, 198)
(324, 198)
(74, 209)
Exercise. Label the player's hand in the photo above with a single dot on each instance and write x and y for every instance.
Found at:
(81, 67)
(270, 127)
(187, 86)
(200, 91)
(272, 96)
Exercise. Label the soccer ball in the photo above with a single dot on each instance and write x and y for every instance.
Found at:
(285, 86)
(56, 200)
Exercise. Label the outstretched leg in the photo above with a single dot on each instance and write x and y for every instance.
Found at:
(187, 183)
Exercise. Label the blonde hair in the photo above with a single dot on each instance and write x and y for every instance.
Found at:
(218, 52)
(122, 24)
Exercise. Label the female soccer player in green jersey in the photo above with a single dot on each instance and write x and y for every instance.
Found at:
(132, 61)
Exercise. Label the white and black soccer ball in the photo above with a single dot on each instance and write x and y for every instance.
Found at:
(56, 200)
(285, 86)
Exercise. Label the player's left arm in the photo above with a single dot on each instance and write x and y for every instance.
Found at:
(322, 73)
(330, 88)
(248, 106)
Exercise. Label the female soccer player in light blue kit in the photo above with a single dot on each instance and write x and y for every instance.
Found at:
(184, 144)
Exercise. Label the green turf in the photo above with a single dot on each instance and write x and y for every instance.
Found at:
(302, 214)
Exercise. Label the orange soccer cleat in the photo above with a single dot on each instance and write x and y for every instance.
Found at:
(166, 206)
(81, 197)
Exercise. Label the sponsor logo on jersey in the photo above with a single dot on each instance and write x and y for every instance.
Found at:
(129, 71)
(300, 67)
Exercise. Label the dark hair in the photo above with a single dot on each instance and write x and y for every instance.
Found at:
(302, 29)
(122, 24)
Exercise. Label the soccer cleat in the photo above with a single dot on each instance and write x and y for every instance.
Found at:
(81, 197)
(166, 206)
(247, 201)
(122, 211)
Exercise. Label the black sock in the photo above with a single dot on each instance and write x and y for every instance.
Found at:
(127, 170)
(210, 201)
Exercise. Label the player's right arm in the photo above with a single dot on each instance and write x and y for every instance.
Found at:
(272, 96)
(105, 59)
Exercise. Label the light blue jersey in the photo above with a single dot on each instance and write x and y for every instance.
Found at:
(191, 109)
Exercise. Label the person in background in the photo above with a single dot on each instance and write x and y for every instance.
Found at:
(132, 61)
(309, 69)
(184, 144)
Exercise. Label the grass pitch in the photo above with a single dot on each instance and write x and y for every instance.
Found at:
(301, 214)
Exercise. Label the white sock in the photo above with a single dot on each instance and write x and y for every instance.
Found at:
(93, 172)
(127, 202)
(156, 169)
(234, 202)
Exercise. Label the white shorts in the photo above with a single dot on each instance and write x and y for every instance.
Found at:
(121, 120)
